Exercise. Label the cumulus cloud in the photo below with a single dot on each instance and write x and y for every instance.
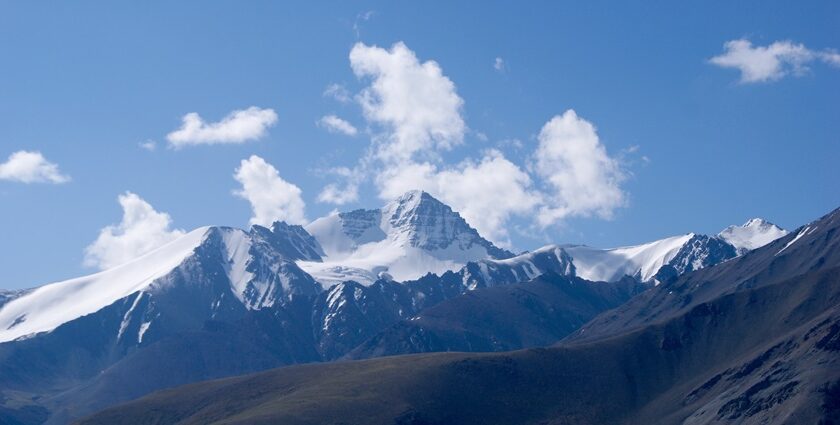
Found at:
(770, 63)
(271, 198)
(31, 167)
(582, 178)
(334, 124)
(414, 102)
(237, 127)
(141, 230)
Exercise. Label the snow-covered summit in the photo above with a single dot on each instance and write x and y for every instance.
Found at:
(51, 305)
(250, 269)
(649, 262)
(410, 236)
(424, 222)
(611, 264)
(755, 233)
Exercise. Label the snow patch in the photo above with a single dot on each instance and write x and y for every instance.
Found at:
(127, 317)
(143, 328)
(801, 233)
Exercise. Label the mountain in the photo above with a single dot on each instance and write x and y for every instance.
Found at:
(221, 301)
(417, 234)
(753, 234)
(64, 335)
(751, 340)
(253, 269)
(407, 238)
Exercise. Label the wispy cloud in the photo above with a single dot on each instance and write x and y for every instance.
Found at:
(239, 126)
(31, 167)
(149, 145)
(337, 92)
(759, 64)
(334, 124)
(499, 65)
(361, 18)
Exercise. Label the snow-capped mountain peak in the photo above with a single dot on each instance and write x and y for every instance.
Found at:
(410, 236)
(755, 233)
(421, 221)
(641, 261)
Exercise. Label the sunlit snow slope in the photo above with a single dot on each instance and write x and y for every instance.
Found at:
(753, 234)
(49, 306)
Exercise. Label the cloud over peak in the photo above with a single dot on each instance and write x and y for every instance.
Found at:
(238, 126)
(582, 178)
(418, 114)
(141, 230)
(414, 102)
(271, 197)
(31, 167)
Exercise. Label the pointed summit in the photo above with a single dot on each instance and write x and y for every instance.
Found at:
(407, 238)
(420, 220)
(755, 233)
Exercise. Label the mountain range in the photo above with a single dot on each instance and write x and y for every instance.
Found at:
(411, 277)
(752, 340)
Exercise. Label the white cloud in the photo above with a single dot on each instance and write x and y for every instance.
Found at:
(770, 63)
(334, 124)
(499, 65)
(582, 178)
(149, 145)
(141, 230)
(349, 192)
(415, 103)
(237, 127)
(271, 198)
(830, 57)
(338, 92)
(335, 194)
(31, 167)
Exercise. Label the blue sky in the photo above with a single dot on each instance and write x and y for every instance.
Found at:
(698, 146)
